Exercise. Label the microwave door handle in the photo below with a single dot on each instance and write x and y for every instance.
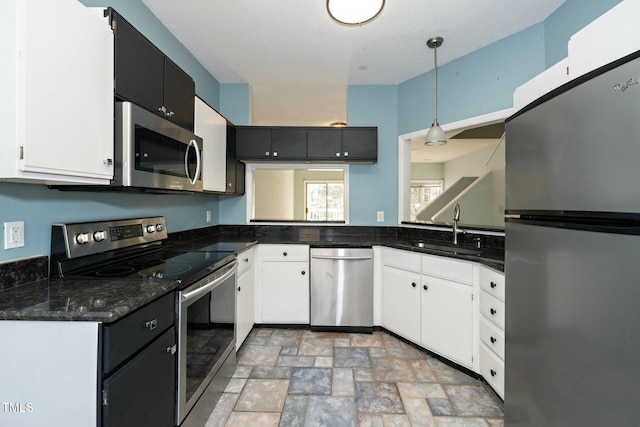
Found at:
(193, 180)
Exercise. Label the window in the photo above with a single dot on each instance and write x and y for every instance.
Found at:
(324, 201)
(288, 192)
(422, 193)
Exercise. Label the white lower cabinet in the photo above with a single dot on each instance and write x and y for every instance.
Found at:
(447, 319)
(401, 302)
(245, 312)
(284, 284)
(492, 323)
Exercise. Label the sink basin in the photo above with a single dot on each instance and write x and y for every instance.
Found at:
(448, 249)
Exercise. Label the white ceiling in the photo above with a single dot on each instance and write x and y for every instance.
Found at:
(298, 62)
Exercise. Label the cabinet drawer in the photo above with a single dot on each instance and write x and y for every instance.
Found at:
(492, 282)
(245, 260)
(404, 260)
(492, 369)
(447, 268)
(285, 252)
(492, 308)
(492, 337)
(124, 337)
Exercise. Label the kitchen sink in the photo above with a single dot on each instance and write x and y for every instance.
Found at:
(448, 249)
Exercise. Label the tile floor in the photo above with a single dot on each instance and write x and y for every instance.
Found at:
(294, 377)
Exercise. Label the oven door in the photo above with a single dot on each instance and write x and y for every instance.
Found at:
(206, 336)
(152, 152)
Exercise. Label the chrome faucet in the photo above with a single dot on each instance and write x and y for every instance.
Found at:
(456, 218)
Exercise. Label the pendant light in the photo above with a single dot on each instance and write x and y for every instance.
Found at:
(435, 135)
(354, 12)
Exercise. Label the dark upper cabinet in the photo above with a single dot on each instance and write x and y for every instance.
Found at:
(146, 77)
(309, 144)
(324, 144)
(360, 143)
(289, 143)
(235, 168)
(253, 143)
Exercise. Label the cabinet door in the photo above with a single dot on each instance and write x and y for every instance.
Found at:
(285, 292)
(139, 67)
(142, 392)
(212, 128)
(324, 144)
(253, 143)
(289, 143)
(401, 302)
(360, 143)
(447, 319)
(245, 310)
(179, 93)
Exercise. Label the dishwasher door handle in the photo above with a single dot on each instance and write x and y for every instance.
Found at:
(340, 257)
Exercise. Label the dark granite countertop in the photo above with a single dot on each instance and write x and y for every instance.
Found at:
(97, 300)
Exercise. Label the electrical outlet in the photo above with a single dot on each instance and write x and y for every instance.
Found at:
(380, 216)
(13, 234)
(208, 216)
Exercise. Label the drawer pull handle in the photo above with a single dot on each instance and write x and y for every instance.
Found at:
(493, 284)
(413, 284)
(493, 373)
(303, 272)
(425, 287)
(238, 288)
(493, 311)
(151, 324)
(246, 260)
(284, 254)
(493, 340)
(172, 350)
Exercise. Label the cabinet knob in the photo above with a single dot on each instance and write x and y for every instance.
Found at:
(414, 284)
(425, 287)
(493, 340)
(171, 114)
(172, 349)
(266, 153)
(238, 288)
(108, 162)
(275, 154)
(246, 260)
(493, 373)
(284, 254)
(337, 154)
(493, 284)
(303, 272)
(493, 311)
(151, 324)
(346, 154)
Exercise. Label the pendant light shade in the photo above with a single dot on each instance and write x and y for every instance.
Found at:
(354, 12)
(435, 135)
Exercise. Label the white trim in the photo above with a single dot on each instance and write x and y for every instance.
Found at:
(249, 189)
(404, 153)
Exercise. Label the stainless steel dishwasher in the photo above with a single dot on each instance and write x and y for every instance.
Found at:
(342, 289)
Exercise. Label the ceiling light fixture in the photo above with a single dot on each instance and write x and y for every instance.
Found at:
(435, 135)
(338, 124)
(354, 12)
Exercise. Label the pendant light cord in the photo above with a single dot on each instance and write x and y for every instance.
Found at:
(435, 85)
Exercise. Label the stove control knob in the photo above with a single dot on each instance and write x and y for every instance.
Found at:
(82, 238)
(99, 236)
(151, 228)
(159, 228)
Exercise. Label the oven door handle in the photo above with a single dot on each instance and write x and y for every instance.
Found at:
(209, 286)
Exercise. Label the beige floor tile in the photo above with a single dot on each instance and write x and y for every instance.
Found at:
(366, 340)
(460, 422)
(257, 355)
(263, 396)
(316, 347)
(418, 412)
(370, 420)
(393, 369)
(393, 420)
(253, 419)
(424, 390)
(323, 362)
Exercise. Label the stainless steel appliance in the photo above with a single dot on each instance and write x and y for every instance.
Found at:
(342, 289)
(572, 245)
(206, 272)
(153, 153)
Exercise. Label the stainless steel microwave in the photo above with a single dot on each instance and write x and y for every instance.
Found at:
(151, 153)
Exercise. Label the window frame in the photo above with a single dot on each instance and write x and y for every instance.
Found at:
(250, 190)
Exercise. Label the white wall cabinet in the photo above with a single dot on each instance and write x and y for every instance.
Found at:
(284, 284)
(212, 128)
(492, 336)
(56, 82)
(245, 311)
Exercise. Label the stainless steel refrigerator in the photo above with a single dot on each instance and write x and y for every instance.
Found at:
(573, 254)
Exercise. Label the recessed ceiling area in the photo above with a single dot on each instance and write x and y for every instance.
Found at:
(298, 61)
